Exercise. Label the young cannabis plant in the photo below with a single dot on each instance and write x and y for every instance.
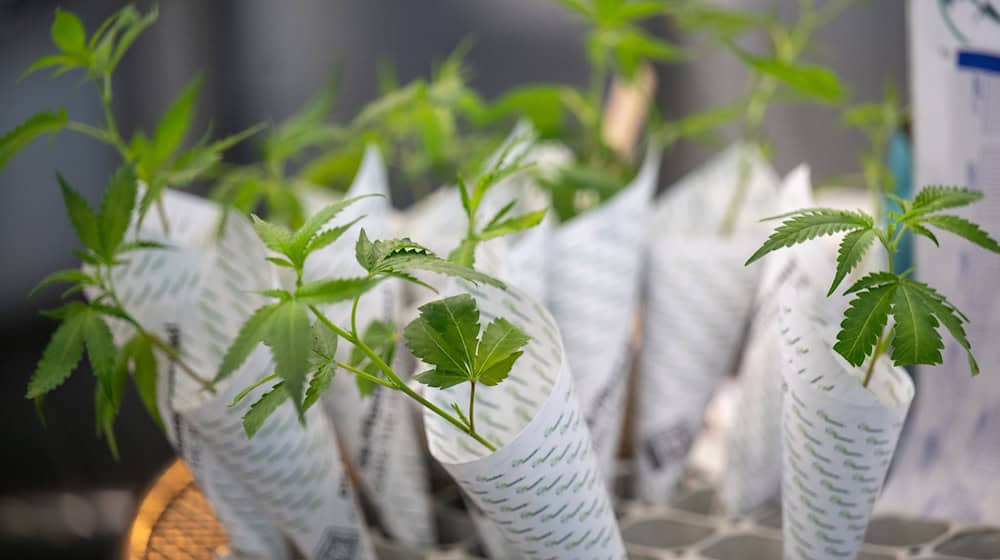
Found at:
(616, 45)
(424, 129)
(155, 161)
(878, 122)
(303, 340)
(501, 223)
(918, 310)
(85, 324)
(158, 160)
(246, 187)
(777, 76)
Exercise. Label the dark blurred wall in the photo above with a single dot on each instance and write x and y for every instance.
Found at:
(261, 60)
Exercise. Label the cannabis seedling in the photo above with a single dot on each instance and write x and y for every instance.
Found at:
(501, 223)
(616, 45)
(918, 310)
(777, 76)
(445, 335)
(303, 339)
(154, 161)
(158, 160)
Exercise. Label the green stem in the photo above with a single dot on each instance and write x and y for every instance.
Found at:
(398, 383)
(472, 405)
(364, 374)
(167, 349)
(883, 343)
(114, 136)
(354, 315)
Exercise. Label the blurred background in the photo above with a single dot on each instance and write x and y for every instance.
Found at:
(61, 493)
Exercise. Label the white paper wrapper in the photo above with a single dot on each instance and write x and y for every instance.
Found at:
(288, 478)
(839, 437)
(593, 273)
(698, 300)
(381, 441)
(542, 487)
(752, 476)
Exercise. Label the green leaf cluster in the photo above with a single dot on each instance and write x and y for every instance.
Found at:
(286, 325)
(447, 336)
(918, 311)
(501, 223)
(157, 159)
(85, 326)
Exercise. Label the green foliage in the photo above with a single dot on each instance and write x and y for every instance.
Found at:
(381, 337)
(917, 310)
(400, 258)
(500, 224)
(158, 160)
(23, 134)
(446, 336)
(428, 130)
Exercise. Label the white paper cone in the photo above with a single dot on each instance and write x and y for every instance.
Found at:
(196, 294)
(698, 299)
(381, 442)
(542, 487)
(693, 327)
(752, 477)
(593, 273)
(839, 437)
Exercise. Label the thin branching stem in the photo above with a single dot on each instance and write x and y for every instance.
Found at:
(472, 405)
(171, 352)
(397, 382)
(365, 375)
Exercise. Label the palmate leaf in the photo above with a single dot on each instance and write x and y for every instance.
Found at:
(101, 350)
(329, 236)
(144, 377)
(808, 80)
(263, 408)
(852, 249)
(400, 257)
(408, 262)
(289, 335)
(425, 336)
(962, 228)
(498, 350)
(872, 280)
(864, 320)
(23, 134)
(916, 339)
(921, 230)
(115, 214)
(951, 318)
(69, 276)
(82, 217)
(934, 198)
(175, 123)
(512, 225)
(276, 237)
(804, 225)
(300, 240)
(63, 352)
(333, 290)
(250, 335)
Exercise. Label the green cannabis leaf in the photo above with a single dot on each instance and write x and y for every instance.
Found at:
(84, 326)
(446, 336)
(918, 311)
(305, 349)
(500, 224)
(381, 337)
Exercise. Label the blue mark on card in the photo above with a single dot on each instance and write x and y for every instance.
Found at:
(979, 60)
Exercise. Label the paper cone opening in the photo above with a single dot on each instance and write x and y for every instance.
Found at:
(542, 487)
(839, 437)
